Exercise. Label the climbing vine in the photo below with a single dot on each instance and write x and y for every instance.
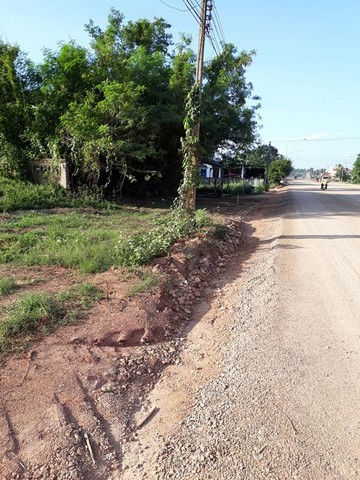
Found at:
(190, 148)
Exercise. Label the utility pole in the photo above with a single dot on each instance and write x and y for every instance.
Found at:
(268, 161)
(205, 17)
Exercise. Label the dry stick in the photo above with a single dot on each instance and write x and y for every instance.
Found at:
(14, 456)
(148, 417)
(26, 373)
(88, 444)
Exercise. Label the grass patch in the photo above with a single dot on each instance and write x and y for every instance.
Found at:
(147, 283)
(7, 285)
(40, 313)
(87, 241)
(93, 241)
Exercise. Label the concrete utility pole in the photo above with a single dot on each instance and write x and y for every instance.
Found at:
(268, 161)
(206, 6)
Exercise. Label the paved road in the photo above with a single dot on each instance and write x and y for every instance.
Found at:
(286, 404)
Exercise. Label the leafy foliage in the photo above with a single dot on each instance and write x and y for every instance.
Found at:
(261, 156)
(114, 111)
(342, 173)
(141, 249)
(279, 169)
(226, 118)
(7, 285)
(15, 194)
(356, 170)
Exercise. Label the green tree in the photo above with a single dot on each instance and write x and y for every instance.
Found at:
(15, 108)
(108, 136)
(356, 170)
(279, 169)
(117, 130)
(115, 111)
(342, 173)
(226, 117)
(260, 156)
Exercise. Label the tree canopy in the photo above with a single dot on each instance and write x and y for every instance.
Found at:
(355, 177)
(279, 169)
(115, 109)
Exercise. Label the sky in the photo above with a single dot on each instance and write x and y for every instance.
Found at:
(306, 69)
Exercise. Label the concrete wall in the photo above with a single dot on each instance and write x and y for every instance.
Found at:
(49, 170)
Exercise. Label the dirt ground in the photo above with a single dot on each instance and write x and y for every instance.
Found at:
(73, 401)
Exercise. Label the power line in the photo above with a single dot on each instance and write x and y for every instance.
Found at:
(215, 35)
(174, 8)
(193, 11)
(316, 139)
(215, 47)
(217, 17)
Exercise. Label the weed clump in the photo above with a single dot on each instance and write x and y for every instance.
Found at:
(7, 285)
(40, 313)
(141, 249)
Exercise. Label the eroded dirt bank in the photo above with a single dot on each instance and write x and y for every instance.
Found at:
(72, 403)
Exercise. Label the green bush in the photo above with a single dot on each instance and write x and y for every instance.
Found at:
(16, 194)
(141, 249)
(259, 189)
(20, 195)
(238, 188)
(233, 188)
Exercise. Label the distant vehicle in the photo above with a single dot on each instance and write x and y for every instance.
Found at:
(325, 179)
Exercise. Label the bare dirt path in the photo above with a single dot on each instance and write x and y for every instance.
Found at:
(268, 382)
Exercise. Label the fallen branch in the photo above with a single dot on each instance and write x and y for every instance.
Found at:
(13, 456)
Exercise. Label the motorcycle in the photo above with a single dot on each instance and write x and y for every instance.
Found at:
(324, 186)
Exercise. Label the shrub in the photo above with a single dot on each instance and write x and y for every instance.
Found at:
(141, 249)
(233, 188)
(259, 189)
(16, 194)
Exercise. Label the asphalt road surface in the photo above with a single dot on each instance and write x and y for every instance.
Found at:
(285, 402)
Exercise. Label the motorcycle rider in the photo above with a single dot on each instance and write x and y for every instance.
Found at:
(324, 183)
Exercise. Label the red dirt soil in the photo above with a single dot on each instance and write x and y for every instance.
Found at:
(67, 403)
